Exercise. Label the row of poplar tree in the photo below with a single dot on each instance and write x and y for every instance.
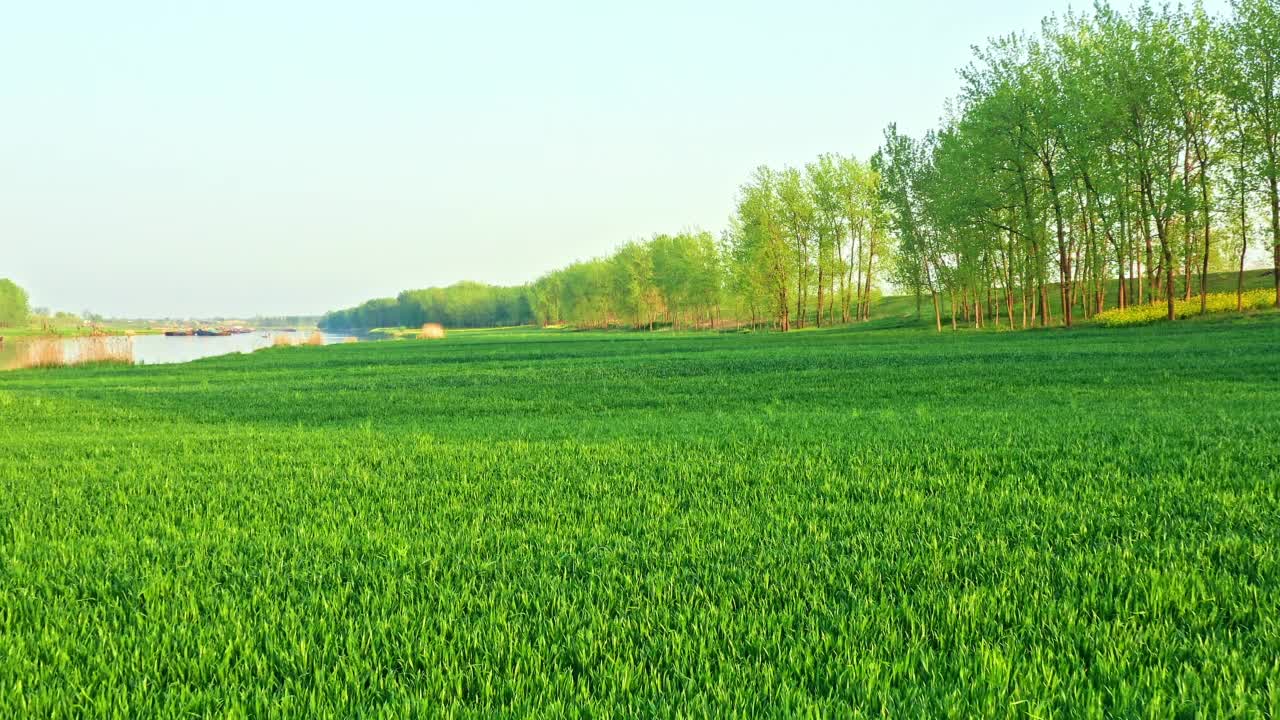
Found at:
(1108, 160)
(1105, 160)
(801, 248)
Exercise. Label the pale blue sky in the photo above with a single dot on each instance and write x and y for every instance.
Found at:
(237, 157)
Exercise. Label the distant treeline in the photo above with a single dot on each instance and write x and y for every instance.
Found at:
(805, 245)
(674, 279)
(461, 305)
(283, 321)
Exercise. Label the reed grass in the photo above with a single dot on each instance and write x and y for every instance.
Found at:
(57, 352)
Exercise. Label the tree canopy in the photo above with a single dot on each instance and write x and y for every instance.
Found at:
(462, 305)
(14, 304)
(1107, 146)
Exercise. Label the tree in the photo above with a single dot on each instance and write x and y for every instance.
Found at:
(902, 165)
(14, 304)
(1255, 35)
(759, 252)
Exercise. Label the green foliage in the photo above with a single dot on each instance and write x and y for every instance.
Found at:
(803, 241)
(461, 305)
(1109, 144)
(672, 277)
(14, 305)
(833, 523)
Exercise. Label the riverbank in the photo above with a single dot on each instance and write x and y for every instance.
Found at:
(70, 331)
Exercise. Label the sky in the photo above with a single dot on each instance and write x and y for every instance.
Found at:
(240, 157)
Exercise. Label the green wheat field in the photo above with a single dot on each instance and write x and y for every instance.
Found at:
(832, 523)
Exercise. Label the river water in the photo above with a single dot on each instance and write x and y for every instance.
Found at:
(146, 349)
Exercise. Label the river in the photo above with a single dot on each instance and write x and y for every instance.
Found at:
(145, 349)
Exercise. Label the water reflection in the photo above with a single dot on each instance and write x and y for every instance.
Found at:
(147, 349)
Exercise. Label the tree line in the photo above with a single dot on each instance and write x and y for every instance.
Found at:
(803, 246)
(1108, 160)
(463, 304)
(1110, 150)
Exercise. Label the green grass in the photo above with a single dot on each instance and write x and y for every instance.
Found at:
(839, 523)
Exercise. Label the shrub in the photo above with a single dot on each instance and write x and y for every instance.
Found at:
(431, 331)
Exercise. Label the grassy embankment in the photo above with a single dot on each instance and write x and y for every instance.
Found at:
(1033, 524)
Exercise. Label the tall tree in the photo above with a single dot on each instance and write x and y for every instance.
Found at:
(14, 304)
(1256, 37)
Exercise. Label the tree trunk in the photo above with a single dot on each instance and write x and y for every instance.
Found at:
(1134, 282)
(871, 258)
(937, 309)
(1166, 261)
(846, 311)
(839, 261)
(1120, 287)
(1008, 283)
(1275, 230)
(855, 250)
(1064, 258)
(1204, 261)
(1186, 220)
(1026, 302)
(1152, 286)
(831, 299)
(1240, 275)
(1139, 272)
(822, 286)
(801, 268)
